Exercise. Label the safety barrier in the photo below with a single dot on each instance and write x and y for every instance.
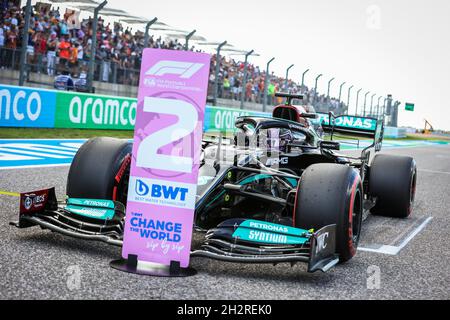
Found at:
(395, 133)
(40, 108)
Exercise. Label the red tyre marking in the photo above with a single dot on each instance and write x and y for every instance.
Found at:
(123, 167)
(114, 196)
(126, 162)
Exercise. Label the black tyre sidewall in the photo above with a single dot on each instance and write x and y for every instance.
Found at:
(326, 195)
(391, 180)
(95, 166)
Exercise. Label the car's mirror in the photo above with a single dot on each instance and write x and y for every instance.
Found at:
(310, 116)
(330, 145)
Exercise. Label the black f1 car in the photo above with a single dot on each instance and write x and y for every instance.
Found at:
(275, 193)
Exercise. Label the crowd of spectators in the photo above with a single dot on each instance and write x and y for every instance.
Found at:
(231, 85)
(57, 45)
(63, 48)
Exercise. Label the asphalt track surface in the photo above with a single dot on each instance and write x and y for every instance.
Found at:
(36, 264)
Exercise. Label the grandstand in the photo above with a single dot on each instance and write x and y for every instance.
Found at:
(60, 38)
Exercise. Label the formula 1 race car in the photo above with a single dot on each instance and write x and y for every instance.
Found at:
(276, 192)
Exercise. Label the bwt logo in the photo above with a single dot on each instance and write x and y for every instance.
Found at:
(161, 191)
(184, 69)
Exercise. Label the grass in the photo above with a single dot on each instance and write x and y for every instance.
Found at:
(408, 138)
(424, 138)
(27, 133)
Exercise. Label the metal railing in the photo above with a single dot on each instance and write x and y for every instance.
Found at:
(50, 64)
(26, 61)
(113, 72)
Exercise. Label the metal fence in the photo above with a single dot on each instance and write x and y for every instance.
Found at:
(125, 75)
(49, 64)
(108, 71)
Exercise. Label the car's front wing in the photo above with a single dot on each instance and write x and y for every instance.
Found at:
(239, 241)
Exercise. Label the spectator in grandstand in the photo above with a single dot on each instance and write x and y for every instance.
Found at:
(271, 89)
(73, 59)
(119, 54)
(4, 5)
(104, 58)
(237, 88)
(11, 40)
(226, 88)
(64, 48)
(52, 46)
(40, 49)
(249, 91)
(15, 20)
(80, 58)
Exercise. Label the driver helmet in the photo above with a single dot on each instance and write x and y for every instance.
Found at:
(279, 139)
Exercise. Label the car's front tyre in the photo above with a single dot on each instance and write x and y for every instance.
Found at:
(100, 170)
(331, 194)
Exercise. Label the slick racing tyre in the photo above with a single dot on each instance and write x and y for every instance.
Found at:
(393, 184)
(331, 194)
(100, 170)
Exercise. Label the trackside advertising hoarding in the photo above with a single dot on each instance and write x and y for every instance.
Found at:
(221, 120)
(27, 107)
(38, 108)
(88, 111)
(166, 156)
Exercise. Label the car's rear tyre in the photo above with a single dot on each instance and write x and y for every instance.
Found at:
(393, 183)
(331, 194)
(100, 170)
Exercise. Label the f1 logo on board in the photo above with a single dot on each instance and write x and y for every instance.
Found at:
(172, 194)
(184, 69)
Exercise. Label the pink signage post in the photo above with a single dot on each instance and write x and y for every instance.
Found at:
(165, 162)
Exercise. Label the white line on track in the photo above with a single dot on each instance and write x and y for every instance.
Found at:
(32, 153)
(433, 171)
(394, 250)
(35, 166)
(64, 140)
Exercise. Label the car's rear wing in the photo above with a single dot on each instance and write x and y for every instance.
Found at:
(356, 126)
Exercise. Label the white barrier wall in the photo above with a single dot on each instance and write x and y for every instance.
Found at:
(395, 133)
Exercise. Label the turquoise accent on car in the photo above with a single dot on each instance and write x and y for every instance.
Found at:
(257, 177)
(272, 227)
(93, 213)
(293, 182)
(91, 208)
(349, 122)
(264, 237)
(270, 233)
(254, 178)
(106, 204)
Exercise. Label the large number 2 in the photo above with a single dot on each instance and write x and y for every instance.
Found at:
(147, 155)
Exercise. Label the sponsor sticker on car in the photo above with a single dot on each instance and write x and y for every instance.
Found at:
(270, 233)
